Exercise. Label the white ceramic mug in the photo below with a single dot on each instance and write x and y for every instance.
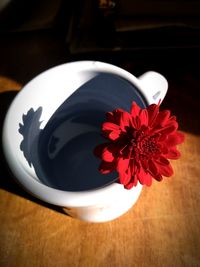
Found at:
(38, 102)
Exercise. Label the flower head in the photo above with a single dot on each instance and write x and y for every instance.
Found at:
(139, 144)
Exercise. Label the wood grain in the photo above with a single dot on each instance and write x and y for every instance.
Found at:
(162, 229)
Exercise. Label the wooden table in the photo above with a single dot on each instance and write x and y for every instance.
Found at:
(162, 229)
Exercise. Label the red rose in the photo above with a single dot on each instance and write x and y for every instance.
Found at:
(139, 144)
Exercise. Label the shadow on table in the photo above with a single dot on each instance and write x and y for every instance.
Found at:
(7, 181)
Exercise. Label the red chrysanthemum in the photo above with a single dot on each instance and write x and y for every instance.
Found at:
(140, 144)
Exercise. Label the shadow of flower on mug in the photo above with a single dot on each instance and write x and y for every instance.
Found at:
(30, 130)
(61, 154)
(7, 182)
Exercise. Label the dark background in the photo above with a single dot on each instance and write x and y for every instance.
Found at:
(136, 35)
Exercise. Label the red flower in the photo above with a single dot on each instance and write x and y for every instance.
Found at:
(140, 144)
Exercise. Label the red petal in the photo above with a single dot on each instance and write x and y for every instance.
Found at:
(148, 180)
(168, 129)
(173, 153)
(110, 152)
(130, 179)
(124, 178)
(162, 137)
(114, 135)
(109, 126)
(111, 130)
(162, 160)
(133, 169)
(107, 155)
(99, 149)
(144, 117)
(144, 164)
(135, 109)
(136, 122)
(165, 170)
(174, 139)
(114, 116)
(163, 117)
(154, 171)
(107, 167)
(152, 110)
(132, 183)
(152, 167)
(172, 118)
(124, 172)
(125, 120)
(122, 164)
(144, 177)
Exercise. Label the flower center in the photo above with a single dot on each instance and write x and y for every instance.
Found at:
(149, 146)
(145, 146)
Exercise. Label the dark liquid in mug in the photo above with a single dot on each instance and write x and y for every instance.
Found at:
(66, 144)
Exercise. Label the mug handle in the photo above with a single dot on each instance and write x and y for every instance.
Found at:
(155, 86)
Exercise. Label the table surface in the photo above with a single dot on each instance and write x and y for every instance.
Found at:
(161, 229)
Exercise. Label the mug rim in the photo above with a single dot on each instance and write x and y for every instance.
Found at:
(50, 194)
